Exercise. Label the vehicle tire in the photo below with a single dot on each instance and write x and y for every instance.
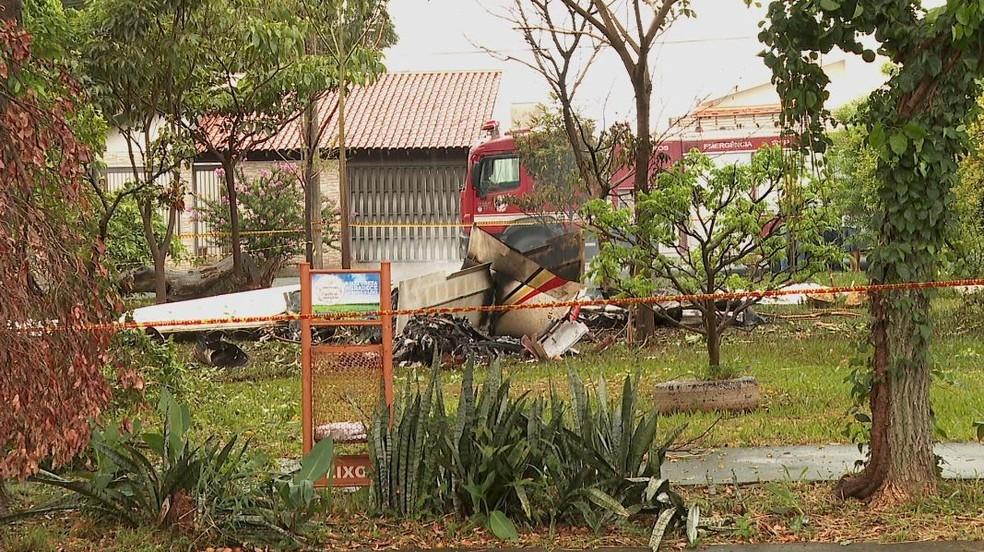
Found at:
(526, 240)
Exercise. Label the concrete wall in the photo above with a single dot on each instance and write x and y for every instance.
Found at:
(116, 154)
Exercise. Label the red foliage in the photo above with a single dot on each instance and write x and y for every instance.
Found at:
(49, 270)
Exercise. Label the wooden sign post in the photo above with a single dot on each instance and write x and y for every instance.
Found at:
(340, 381)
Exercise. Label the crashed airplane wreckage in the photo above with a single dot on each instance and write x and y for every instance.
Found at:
(493, 274)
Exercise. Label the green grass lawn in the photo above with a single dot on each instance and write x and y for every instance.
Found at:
(801, 366)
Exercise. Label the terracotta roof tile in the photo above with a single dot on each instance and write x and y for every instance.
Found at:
(407, 111)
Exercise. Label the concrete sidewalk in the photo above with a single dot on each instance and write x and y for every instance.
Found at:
(801, 463)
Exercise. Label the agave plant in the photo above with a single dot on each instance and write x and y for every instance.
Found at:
(144, 478)
(396, 445)
(503, 458)
(212, 489)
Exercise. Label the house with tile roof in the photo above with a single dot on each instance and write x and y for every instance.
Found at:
(407, 141)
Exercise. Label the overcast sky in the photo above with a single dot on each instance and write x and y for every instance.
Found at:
(699, 58)
(708, 56)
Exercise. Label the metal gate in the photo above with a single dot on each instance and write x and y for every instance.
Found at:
(405, 212)
(206, 185)
(117, 179)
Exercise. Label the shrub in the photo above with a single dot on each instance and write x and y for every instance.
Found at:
(501, 457)
(140, 369)
(965, 318)
(126, 246)
(705, 229)
(271, 210)
(209, 489)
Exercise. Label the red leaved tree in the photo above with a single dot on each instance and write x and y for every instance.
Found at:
(51, 282)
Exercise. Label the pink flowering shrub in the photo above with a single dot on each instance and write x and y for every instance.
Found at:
(271, 214)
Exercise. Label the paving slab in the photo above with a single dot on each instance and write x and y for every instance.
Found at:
(801, 463)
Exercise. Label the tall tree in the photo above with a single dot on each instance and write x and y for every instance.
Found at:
(351, 34)
(562, 52)
(632, 37)
(139, 58)
(916, 124)
(253, 80)
(49, 266)
(630, 28)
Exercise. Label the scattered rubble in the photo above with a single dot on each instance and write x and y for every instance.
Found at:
(454, 338)
(519, 280)
(470, 287)
(605, 317)
(557, 340)
(212, 349)
(563, 255)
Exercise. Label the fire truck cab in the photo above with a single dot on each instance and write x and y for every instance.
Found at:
(495, 174)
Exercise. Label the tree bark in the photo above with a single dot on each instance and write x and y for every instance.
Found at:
(4, 499)
(642, 86)
(343, 188)
(157, 253)
(313, 231)
(712, 336)
(312, 191)
(205, 281)
(229, 166)
(902, 463)
(160, 283)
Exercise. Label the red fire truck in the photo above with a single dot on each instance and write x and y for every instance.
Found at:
(496, 173)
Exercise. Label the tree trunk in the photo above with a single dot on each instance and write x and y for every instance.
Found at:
(309, 191)
(642, 86)
(312, 176)
(643, 150)
(902, 463)
(205, 281)
(160, 282)
(713, 338)
(343, 189)
(11, 9)
(157, 253)
(313, 231)
(229, 166)
(4, 499)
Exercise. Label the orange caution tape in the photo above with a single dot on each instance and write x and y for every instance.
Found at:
(625, 301)
(385, 225)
